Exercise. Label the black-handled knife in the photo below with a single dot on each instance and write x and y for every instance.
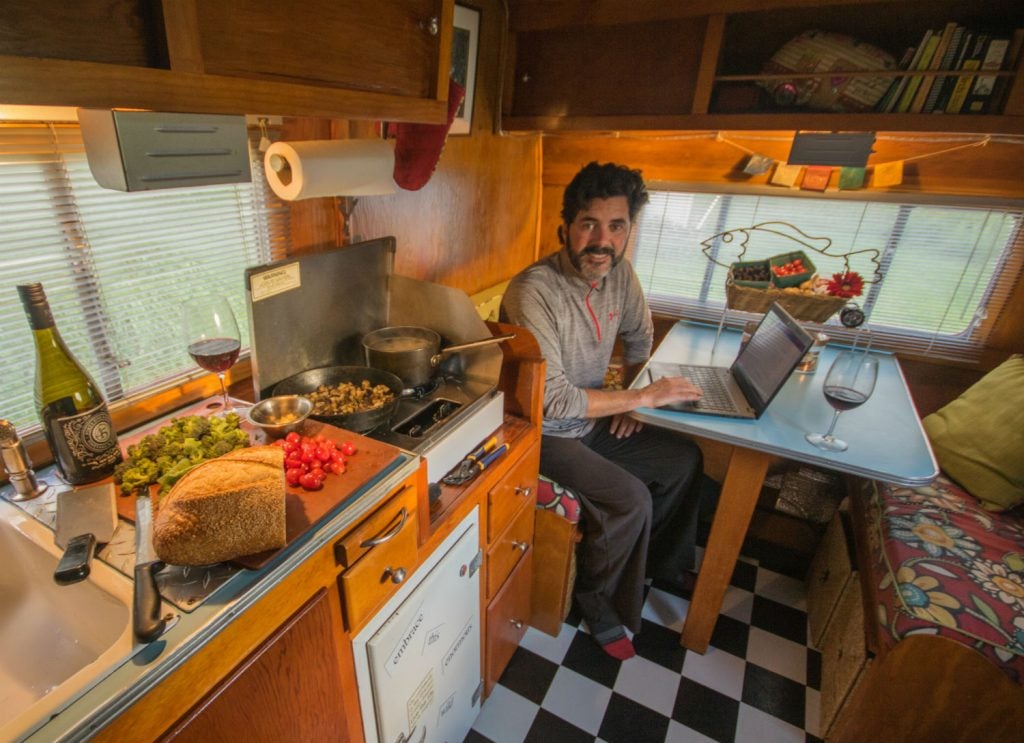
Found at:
(147, 621)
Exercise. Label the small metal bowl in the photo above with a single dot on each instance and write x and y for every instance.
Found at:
(280, 415)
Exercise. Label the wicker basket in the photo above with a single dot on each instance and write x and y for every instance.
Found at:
(804, 307)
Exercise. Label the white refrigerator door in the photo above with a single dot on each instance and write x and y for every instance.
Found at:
(425, 660)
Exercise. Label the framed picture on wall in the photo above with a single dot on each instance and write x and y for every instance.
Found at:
(465, 36)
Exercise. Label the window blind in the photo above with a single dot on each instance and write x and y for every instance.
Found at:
(116, 266)
(946, 271)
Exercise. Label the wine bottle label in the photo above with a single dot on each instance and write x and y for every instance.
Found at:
(90, 438)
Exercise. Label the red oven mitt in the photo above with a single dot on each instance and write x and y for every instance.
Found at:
(418, 146)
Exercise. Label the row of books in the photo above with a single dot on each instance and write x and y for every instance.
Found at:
(955, 48)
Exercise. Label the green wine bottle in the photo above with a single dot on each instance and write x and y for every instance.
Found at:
(74, 414)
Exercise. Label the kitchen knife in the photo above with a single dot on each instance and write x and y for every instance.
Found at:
(85, 517)
(147, 621)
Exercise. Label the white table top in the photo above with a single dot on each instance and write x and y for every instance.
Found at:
(885, 437)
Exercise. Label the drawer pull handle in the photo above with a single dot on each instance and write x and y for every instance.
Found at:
(525, 492)
(516, 623)
(373, 542)
(520, 546)
(397, 575)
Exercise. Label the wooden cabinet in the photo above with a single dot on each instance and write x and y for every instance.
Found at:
(283, 669)
(507, 618)
(343, 59)
(298, 662)
(511, 505)
(378, 555)
(665, 66)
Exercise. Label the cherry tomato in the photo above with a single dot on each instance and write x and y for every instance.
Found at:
(348, 448)
(323, 454)
(310, 482)
(336, 466)
(292, 475)
(338, 456)
(293, 438)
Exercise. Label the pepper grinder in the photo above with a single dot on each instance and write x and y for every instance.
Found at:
(18, 465)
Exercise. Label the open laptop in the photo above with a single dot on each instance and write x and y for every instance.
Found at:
(744, 389)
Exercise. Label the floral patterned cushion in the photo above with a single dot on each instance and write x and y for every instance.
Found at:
(561, 500)
(944, 565)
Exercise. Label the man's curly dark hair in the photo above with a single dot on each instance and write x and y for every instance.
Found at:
(603, 181)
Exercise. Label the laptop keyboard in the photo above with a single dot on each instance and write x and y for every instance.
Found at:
(716, 396)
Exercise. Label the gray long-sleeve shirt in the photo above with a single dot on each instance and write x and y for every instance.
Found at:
(576, 324)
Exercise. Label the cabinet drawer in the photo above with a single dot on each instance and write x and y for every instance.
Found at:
(518, 485)
(379, 554)
(354, 545)
(830, 571)
(507, 618)
(504, 554)
(377, 575)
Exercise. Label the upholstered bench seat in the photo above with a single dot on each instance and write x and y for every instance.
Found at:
(944, 565)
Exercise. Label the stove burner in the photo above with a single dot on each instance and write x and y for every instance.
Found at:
(427, 418)
(422, 390)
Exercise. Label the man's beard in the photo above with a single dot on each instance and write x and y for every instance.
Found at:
(591, 274)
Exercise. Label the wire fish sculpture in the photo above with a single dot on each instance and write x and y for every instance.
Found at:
(819, 245)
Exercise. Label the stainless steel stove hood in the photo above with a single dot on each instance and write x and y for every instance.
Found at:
(314, 310)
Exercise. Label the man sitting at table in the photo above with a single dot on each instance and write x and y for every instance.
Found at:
(638, 486)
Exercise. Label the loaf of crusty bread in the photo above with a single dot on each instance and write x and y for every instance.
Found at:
(225, 508)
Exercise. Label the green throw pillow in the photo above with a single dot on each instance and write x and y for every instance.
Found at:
(978, 438)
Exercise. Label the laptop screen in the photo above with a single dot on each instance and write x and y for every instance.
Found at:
(770, 356)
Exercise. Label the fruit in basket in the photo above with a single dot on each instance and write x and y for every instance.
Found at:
(752, 272)
(790, 268)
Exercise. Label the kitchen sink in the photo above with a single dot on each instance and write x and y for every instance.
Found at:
(56, 642)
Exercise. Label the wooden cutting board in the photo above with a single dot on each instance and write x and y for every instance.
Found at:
(303, 508)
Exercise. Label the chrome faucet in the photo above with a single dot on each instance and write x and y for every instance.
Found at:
(18, 465)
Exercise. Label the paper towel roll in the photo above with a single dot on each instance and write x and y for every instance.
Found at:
(332, 167)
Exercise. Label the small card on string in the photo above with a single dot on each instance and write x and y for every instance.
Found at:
(786, 175)
(816, 178)
(758, 164)
(851, 178)
(888, 174)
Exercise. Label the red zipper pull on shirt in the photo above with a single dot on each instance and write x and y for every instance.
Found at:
(593, 315)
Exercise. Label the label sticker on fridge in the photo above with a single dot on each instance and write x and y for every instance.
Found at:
(402, 648)
(275, 281)
(422, 699)
(446, 707)
(457, 645)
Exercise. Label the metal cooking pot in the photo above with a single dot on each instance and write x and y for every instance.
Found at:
(361, 421)
(413, 353)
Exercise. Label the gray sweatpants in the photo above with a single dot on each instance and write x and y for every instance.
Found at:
(640, 502)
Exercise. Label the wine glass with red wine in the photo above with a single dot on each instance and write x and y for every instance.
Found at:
(211, 333)
(849, 383)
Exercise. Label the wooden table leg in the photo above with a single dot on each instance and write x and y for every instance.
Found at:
(736, 503)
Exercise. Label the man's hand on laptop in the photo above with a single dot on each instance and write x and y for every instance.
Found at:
(668, 390)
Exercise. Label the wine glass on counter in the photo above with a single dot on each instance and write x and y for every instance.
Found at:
(849, 383)
(211, 333)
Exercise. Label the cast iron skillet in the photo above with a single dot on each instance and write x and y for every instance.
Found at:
(362, 421)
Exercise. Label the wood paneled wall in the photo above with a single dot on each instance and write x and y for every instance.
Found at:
(474, 224)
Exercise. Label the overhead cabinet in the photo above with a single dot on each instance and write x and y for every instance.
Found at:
(701, 65)
(343, 59)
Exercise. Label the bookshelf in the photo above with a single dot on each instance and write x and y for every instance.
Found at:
(645, 81)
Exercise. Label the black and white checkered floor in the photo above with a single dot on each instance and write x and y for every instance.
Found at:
(758, 682)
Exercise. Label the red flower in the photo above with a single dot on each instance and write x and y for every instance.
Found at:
(848, 284)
